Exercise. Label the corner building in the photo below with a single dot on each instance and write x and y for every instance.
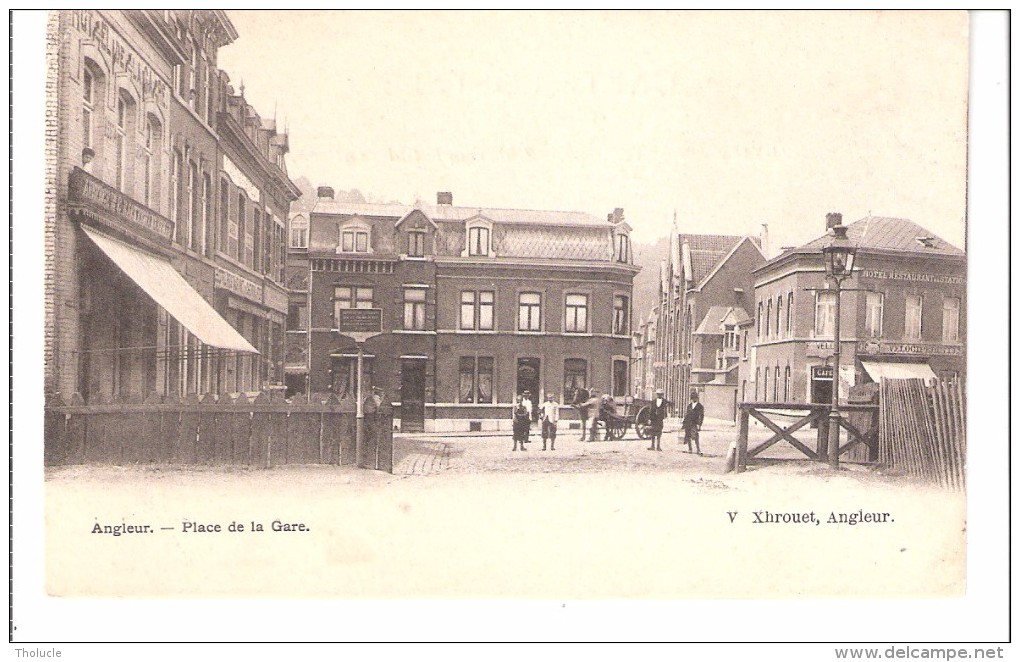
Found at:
(903, 315)
(477, 304)
(153, 162)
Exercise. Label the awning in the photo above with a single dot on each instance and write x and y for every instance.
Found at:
(878, 370)
(168, 288)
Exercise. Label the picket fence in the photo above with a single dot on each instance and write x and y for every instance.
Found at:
(922, 430)
(264, 431)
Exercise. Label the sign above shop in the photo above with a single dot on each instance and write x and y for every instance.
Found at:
(912, 277)
(884, 348)
(228, 280)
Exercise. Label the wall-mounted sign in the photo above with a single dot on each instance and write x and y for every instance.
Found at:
(228, 280)
(84, 189)
(821, 372)
(912, 277)
(873, 347)
(359, 320)
(819, 348)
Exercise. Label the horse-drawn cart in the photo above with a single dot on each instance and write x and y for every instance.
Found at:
(616, 418)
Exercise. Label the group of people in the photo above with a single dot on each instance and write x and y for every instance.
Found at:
(548, 414)
(524, 413)
(694, 416)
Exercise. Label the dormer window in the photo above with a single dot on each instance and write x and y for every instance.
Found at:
(622, 248)
(478, 237)
(354, 239)
(478, 241)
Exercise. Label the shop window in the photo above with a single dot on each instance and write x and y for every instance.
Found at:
(950, 320)
(575, 376)
(576, 313)
(529, 312)
(913, 316)
(476, 379)
(414, 309)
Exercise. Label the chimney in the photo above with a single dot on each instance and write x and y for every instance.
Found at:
(832, 219)
(325, 192)
(763, 239)
(618, 215)
(444, 198)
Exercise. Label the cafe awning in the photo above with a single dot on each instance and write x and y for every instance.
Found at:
(878, 370)
(169, 290)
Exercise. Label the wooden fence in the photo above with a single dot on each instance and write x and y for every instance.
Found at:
(261, 432)
(922, 430)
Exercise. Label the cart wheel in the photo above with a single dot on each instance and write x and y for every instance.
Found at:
(641, 421)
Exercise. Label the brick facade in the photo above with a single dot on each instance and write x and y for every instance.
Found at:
(135, 150)
(454, 351)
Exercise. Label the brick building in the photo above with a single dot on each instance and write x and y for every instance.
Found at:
(153, 163)
(477, 305)
(704, 295)
(904, 315)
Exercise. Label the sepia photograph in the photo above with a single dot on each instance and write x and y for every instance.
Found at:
(456, 308)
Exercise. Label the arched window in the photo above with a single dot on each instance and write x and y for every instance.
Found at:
(765, 385)
(92, 87)
(121, 154)
(779, 315)
(786, 385)
(193, 212)
(760, 308)
(175, 201)
(775, 386)
(789, 314)
(478, 238)
(354, 238)
(208, 222)
(768, 318)
(150, 167)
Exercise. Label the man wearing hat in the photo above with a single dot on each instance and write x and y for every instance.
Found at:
(693, 419)
(530, 406)
(657, 414)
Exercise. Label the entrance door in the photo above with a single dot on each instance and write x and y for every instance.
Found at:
(412, 395)
(527, 377)
(821, 386)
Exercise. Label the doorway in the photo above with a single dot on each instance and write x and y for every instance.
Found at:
(528, 371)
(412, 395)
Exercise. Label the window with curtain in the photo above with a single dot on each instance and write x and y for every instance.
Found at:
(467, 310)
(485, 378)
(951, 320)
(622, 248)
(414, 309)
(913, 316)
(576, 313)
(529, 312)
(478, 241)
(873, 304)
(621, 314)
(466, 389)
(416, 244)
(575, 376)
(825, 314)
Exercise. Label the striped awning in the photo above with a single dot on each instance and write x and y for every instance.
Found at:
(158, 278)
(879, 370)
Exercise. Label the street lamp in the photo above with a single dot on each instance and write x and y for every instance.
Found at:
(839, 255)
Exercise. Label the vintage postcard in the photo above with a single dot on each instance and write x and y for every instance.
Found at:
(552, 306)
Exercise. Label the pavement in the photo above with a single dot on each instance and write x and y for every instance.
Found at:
(431, 453)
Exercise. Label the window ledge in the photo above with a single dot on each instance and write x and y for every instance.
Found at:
(412, 332)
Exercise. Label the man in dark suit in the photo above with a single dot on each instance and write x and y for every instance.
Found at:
(693, 419)
(657, 413)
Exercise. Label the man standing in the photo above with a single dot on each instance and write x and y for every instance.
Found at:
(692, 422)
(657, 413)
(550, 415)
(521, 418)
(532, 410)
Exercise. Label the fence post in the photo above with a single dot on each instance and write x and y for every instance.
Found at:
(741, 462)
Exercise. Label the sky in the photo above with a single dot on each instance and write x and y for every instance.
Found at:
(726, 119)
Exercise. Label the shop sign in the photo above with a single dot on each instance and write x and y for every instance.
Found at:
(912, 277)
(873, 347)
(821, 372)
(228, 280)
(820, 348)
(85, 189)
(90, 24)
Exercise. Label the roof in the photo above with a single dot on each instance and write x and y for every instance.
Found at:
(706, 251)
(440, 213)
(711, 324)
(883, 233)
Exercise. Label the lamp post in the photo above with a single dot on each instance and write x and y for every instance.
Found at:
(839, 257)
